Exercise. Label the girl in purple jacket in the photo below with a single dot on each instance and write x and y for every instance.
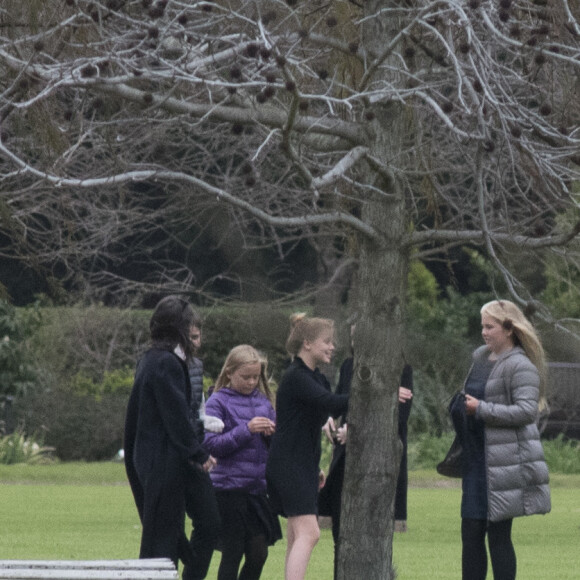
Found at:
(242, 400)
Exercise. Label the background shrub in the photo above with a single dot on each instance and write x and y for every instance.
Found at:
(562, 455)
(89, 342)
(263, 326)
(82, 360)
(118, 381)
(426, 451)
(16, 447)
(83, 419)
(88, 357)
(79, 427)
(18, 371)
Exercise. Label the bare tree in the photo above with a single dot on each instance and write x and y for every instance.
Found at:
(398, 128)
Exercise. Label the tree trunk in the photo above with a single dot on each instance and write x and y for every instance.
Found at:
(373, 446)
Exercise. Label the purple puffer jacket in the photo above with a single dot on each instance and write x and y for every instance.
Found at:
(241, 455)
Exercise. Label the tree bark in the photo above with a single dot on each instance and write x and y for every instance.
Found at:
(373, 446)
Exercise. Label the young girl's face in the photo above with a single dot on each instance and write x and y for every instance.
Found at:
(322, 348)
(245, 378)
(495, 335)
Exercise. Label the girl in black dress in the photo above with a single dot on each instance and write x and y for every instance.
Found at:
(303, 403)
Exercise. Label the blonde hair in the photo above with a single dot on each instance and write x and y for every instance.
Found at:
(241, 355)
(304, 329)
(512, 318)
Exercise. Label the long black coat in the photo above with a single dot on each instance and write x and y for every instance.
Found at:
(330, 496)
(303, 403)
(161, 448)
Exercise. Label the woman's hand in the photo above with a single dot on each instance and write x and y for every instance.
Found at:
(405, 394)
(341, 434)
(329, 429)
(262, 425)
(209, 464)
(471, 404)
(321, 479)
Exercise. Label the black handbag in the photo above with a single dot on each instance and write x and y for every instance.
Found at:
(452, 465)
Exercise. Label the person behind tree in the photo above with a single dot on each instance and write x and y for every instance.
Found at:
(505, 473)
(242, 400)
(195, 370)
(166, 464)
(201, 420)
(303, 402)
(331, 493)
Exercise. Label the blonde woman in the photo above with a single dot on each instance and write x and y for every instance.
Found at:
(303, 403)
(242, 400)
(505, 473)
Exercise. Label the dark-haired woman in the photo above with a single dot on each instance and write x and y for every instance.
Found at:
(303, 403)
(165, 462)
(505, 474)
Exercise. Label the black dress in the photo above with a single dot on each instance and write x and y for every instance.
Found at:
(474, 498)
(403, 479)
(303, 403)
(330, 495)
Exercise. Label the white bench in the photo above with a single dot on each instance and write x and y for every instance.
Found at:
(146, 569)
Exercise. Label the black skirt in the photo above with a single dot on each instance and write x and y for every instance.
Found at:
(254, 510)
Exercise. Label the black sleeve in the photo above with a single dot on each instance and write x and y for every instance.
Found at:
(345, 377)
(407, 377)
(171, 398)
(308, 390)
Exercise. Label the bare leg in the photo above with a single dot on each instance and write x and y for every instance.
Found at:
(303, 534)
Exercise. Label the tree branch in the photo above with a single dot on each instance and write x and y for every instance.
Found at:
(334, 217)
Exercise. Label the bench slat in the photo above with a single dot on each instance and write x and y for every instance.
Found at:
(71, 574)
(147, 569)
(155, 563)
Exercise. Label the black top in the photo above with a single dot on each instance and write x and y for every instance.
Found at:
(303, 403)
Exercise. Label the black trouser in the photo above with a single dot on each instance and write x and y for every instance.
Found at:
(242, 536)
(201, 507)
(501, 549)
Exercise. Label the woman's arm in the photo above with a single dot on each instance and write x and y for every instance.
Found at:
(315, 394)
(168, 385)
(523, 386)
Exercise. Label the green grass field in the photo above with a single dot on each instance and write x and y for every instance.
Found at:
(86, 511)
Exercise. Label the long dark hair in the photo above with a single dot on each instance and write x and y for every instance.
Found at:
(171, 323)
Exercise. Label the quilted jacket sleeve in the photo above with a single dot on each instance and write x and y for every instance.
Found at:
(233, 436)
(511, 394)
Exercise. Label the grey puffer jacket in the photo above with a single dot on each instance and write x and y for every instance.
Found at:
(517, 474)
